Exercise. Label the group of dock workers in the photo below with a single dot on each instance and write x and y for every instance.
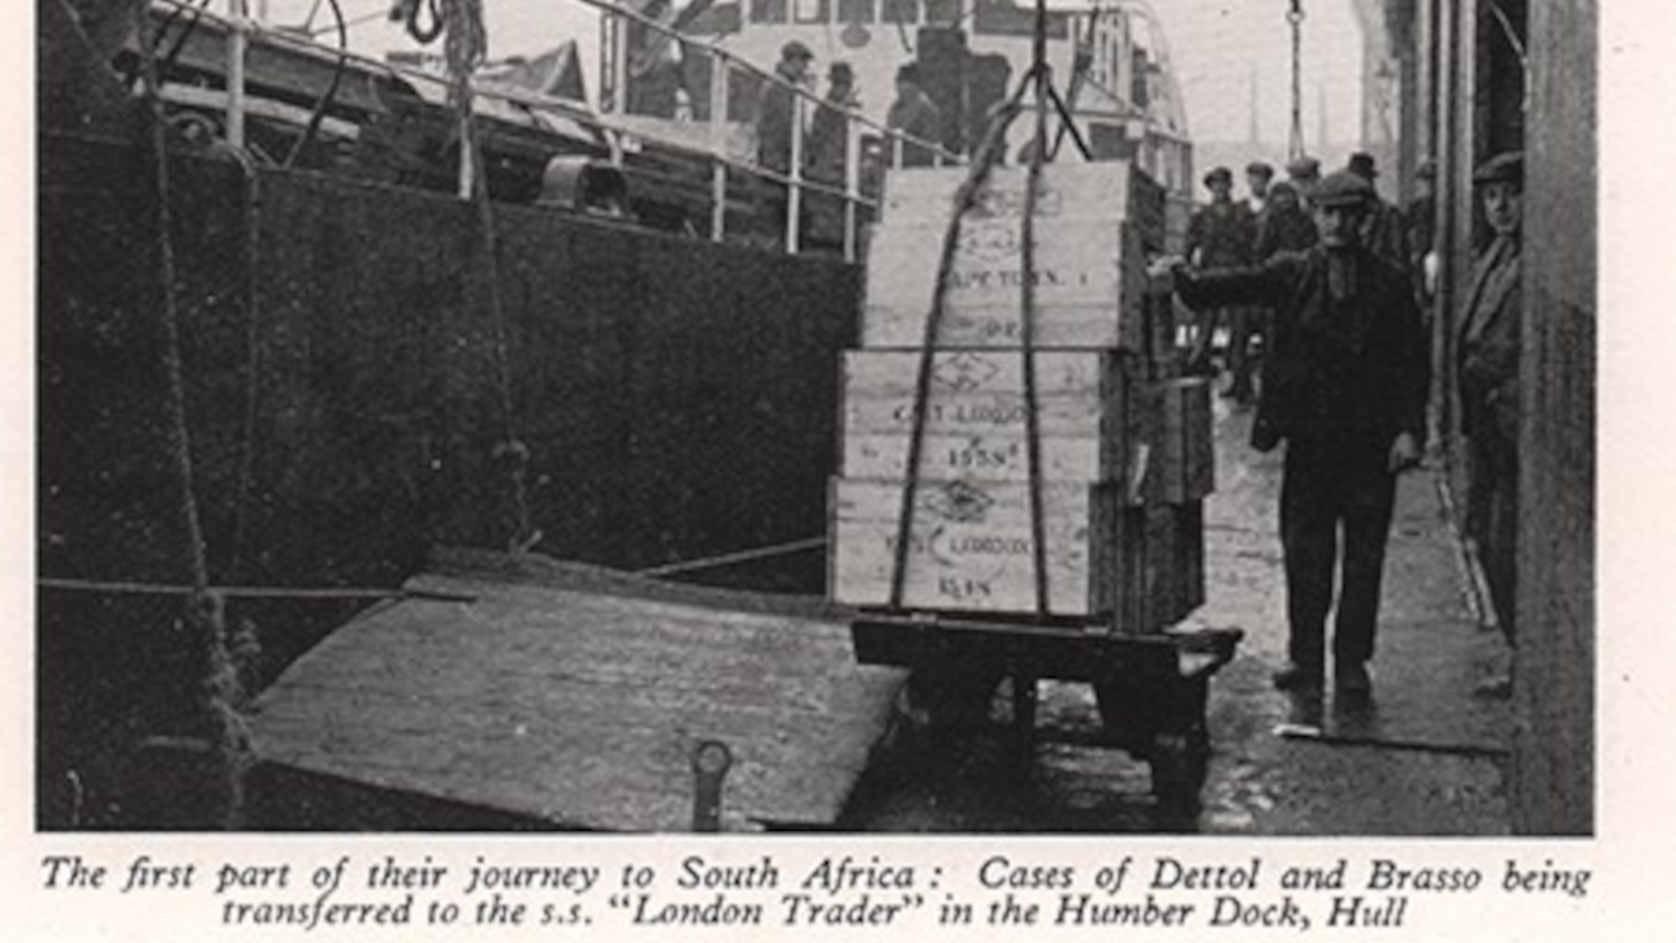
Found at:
(1340, 278)
(825, 142)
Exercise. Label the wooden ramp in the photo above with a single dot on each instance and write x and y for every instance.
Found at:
(577, 695)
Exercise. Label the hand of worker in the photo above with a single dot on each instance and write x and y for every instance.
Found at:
(1165, 264)
(1405, 453)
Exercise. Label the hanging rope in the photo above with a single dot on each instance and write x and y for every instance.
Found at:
(989, 155)
(320, 104)
(1295, 138)
(1032, 437)
(465, 49)
(220, 691)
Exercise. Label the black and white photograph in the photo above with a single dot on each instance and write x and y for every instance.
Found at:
(948, 417)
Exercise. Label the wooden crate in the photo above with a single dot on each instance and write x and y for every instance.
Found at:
(1090, 277)
(970, 547)
(1176, 463)
(975, 415)
(1110, 190)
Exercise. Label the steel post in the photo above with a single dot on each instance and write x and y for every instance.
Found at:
(794, 189)
(237, 45)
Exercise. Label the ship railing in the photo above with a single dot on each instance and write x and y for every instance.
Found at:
(857, 192)
(858, 189)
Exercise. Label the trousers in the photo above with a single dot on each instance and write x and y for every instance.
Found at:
(1334, 485)
(1493, 515)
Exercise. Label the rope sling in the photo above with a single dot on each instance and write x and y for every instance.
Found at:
(965, 199)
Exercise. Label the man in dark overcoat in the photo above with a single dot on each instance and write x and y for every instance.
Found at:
(1384, 231)
(776, 110)
(1488, 368)
(1345, 388)
(1221, 233)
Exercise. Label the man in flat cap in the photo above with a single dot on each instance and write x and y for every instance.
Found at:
(1222, 233)
(775, 111)
(1488, 368)
(1383, 229)
(1305, 174)
(1345, 388)
(1258, 176)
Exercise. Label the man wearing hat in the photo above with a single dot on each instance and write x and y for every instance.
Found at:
(915, 114)
(1305, 174)
(1345, 388)
(775, 111)
(1258, 176)
(1221, 233)
(827, 139)
(1383, 229)
(1488, 368)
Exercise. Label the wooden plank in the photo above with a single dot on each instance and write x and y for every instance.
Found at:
(1099, 190)
(975, 415)
(1188, 453)
(970, 546)
(582, 707)
(1090, 278)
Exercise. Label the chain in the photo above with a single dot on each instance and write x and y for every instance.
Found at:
(1295, 141)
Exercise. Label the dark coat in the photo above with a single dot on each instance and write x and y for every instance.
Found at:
(1222, 233)
(916, 115)
(1357, 368)
(1489, 343)
(1288, 230)
(1385, 233)
(774, 126)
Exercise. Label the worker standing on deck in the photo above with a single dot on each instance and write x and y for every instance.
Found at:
(1221, 234)
(1345, 387)
(913, 113)
(828, 132)
(775, 109)
(1489, 382)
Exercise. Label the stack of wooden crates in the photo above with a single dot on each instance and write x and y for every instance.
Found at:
(1124, 441)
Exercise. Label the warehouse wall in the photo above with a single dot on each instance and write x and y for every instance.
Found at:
(1553, 783)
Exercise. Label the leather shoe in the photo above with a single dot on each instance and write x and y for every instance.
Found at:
(1297, 678)
(1352, 679)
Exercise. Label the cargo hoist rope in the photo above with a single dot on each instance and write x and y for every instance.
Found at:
(220, 692)
(465, 47)
(988, 156)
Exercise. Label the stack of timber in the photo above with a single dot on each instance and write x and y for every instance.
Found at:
(1123, 447)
